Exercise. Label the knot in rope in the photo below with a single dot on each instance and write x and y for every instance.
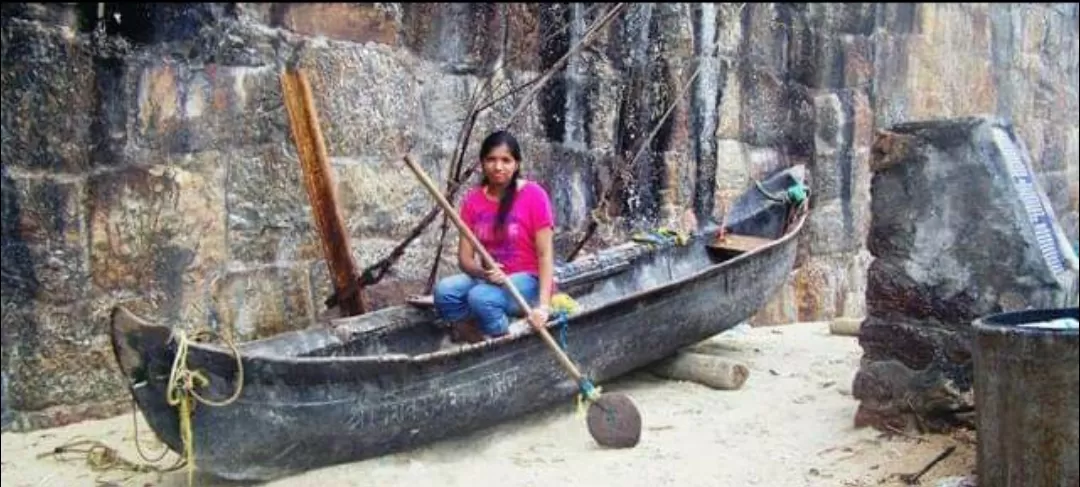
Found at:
(181, 392)
(587, 392)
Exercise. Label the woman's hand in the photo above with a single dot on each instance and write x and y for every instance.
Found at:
(539, 317)
(495, 275)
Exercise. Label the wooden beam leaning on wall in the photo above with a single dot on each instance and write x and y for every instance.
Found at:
(322, 192)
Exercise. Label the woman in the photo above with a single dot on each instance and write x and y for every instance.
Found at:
(512, 218)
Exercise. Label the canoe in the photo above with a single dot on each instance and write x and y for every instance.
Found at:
(386, 381)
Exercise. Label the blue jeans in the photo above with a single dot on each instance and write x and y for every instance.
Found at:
(460, 296)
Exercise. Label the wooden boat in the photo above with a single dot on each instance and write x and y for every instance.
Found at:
(385, 381)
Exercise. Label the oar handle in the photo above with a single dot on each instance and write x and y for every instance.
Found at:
(490, 262)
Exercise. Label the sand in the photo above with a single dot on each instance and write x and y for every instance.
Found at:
(790, 425)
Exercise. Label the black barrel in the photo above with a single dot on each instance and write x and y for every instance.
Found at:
(1026, 398)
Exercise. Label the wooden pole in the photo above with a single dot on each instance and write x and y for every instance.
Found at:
(319, 182)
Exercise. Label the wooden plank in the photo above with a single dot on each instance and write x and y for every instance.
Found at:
(321, 190)
(739, 243)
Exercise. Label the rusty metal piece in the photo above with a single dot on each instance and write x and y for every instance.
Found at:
(319, 182)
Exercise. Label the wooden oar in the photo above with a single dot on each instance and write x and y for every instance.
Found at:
(613, 419)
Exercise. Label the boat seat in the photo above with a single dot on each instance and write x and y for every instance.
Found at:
(739, 243)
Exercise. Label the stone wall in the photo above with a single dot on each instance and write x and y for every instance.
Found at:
(153, 165)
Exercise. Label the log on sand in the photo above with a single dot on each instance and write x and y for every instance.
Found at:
(708, 370)
(846, 326)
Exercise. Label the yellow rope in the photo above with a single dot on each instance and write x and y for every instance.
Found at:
(180, 393)
(103, 459)
(582, 399)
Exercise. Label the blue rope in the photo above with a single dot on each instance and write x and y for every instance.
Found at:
(587, 388)
(562, 323)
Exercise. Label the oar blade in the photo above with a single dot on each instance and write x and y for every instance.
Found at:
(614, 421)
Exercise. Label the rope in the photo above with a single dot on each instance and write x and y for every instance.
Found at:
(103, 459)
(562, 323)
(661, 236)
(767, 194)
(587, 392)
(562, 307)
(180, 393)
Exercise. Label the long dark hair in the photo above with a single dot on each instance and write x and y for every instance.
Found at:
(506, 201)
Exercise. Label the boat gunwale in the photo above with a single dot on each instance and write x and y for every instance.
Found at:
(464, 350)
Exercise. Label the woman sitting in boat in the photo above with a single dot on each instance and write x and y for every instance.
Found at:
(512, 218)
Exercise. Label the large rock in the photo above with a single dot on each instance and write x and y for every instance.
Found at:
(959, 229)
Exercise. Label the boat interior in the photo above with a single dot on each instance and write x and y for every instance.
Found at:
(757, 218)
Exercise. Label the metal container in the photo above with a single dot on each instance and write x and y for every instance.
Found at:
(1026, 398)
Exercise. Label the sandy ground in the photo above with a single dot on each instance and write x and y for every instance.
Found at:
(790, 425)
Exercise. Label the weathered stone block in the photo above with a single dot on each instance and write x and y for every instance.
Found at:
(824, 59)
(729, 108)
(158, 231)
(781, 309)
(263, 302)
(845, 18)
(818, 287)
(459, 35)
(44, 240)
(960, 85)
(62, 357)
(899, 18)
(891, 66)
(523, 35)
(371, 101)
(355, 22)
(853, 293)
(380, 196)
(602, 92)
(764, 42)
(269, 214)
(766, 160)
(47, 83)
(182, 109)
(862, 120)
(570, 178)
(826, 231)
(765, 111)
(858, 60)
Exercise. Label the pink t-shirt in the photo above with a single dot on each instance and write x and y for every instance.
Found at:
(531, 212)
